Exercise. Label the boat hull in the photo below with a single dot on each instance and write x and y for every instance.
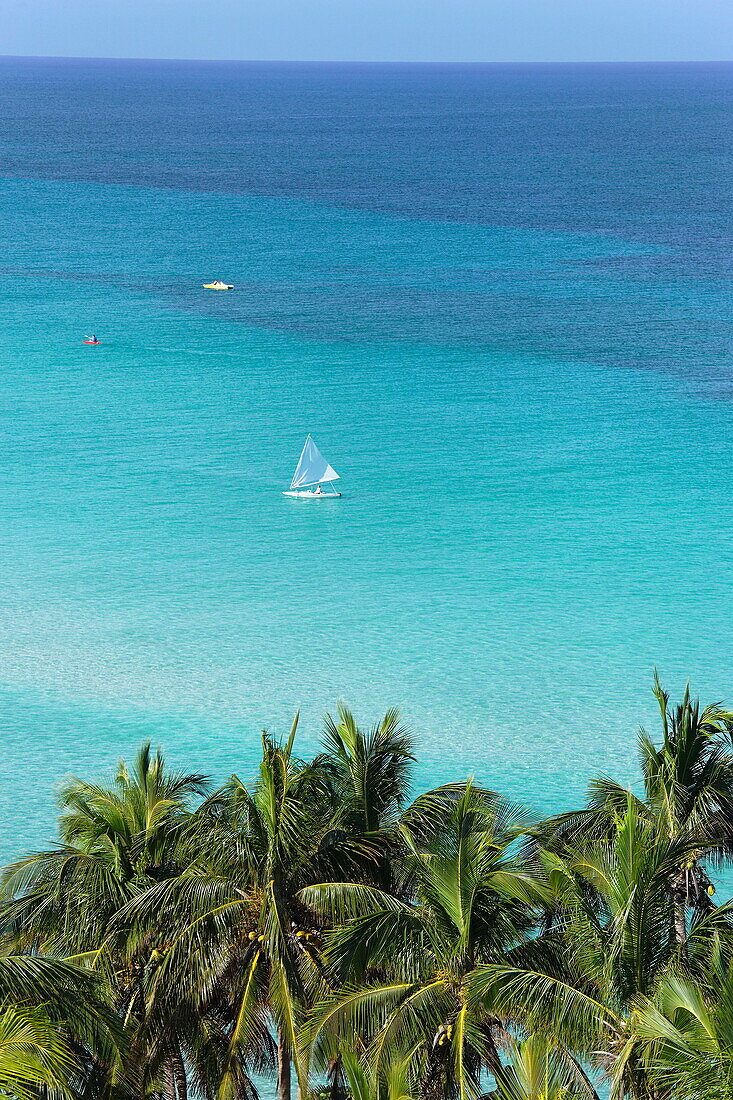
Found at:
(308, 494)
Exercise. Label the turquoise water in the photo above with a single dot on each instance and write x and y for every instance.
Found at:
(533, 426)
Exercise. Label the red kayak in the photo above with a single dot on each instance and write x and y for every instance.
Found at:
(91, 342)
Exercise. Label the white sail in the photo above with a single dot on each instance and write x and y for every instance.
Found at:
(312, 467)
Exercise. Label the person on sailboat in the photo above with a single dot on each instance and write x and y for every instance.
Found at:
(319, 491)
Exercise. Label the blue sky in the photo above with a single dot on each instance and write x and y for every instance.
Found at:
(372, 30)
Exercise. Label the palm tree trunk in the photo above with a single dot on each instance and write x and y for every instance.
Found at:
(679, 892)
(283, 1068)
(169, 1083)
(680, 924)
(179, 1075)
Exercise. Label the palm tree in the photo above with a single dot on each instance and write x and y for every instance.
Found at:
(280, 831)
(370, 771)
(688, 794)
(243, 948)
(610, 942)
(406, 961)
(33, 1054)
(683, 1034)
(536, 1069)
(370, 778)
(246, 946)
(115, 844)
(55, 1028)
(360, 1082)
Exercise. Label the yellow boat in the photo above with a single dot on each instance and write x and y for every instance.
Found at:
(218, 286)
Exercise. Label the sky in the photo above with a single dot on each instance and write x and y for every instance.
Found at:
(372, 30)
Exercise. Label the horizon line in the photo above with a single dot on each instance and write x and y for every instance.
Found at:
(353, 61)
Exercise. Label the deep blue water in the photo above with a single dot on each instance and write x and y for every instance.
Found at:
(500, 299)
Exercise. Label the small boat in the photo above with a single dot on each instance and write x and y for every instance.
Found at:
(216, 285)
(311, 472)
(91, 340)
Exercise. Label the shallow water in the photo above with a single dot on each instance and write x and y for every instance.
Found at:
(499, 299)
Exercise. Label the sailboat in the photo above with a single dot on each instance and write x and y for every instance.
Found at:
(311, 472)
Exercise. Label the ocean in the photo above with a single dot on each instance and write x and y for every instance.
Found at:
(499, 297)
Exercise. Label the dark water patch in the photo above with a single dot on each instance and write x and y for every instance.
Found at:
(637, 150)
